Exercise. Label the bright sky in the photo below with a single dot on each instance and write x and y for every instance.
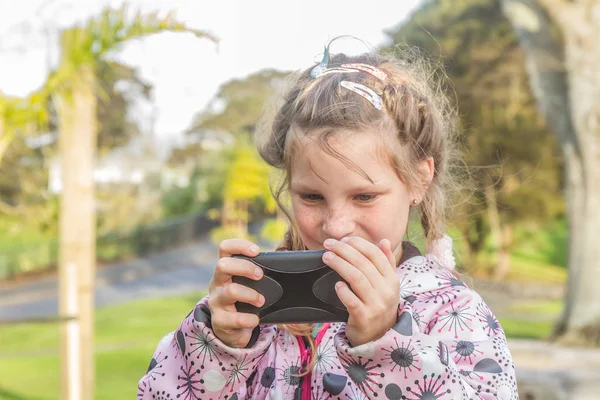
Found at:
(186, 72)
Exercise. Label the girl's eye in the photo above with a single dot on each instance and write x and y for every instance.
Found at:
(311, 197)
(366, 197)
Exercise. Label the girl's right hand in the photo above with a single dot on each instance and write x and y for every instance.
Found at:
(232, 327)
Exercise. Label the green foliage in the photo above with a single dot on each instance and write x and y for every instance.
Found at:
(24, 174)
(21, 116)
(220, 233)
(273, 230)
(516, 164)
(547, 245)
(178, 201)
(83, 46)
(185, 200)
(34, 253)
(248, 175)
(82, 66)
(205, 188)
(235, 172)
(115, 127)
(239, 103)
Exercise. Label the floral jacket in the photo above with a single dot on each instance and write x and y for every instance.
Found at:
(446, 344)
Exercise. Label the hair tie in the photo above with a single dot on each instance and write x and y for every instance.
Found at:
(442, 250)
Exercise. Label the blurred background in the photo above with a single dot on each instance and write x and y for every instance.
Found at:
(126, 155)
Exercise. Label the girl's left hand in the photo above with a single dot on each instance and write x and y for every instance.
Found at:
(371, 272)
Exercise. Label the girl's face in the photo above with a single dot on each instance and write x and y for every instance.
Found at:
(329, 200)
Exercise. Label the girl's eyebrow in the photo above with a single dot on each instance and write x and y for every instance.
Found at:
(367, 188)
(305, 187)
(301, 187)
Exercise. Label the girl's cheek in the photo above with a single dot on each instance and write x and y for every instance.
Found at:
(307, 219)
(305, 215)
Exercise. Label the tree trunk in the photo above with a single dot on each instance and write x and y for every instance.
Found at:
(77, 225)
(582, 60)
(474, 239)
(563, 74)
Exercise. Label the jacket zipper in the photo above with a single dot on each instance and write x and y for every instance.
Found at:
(305, 354)
(305, 380)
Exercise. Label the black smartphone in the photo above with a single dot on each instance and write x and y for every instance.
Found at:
(298, 288)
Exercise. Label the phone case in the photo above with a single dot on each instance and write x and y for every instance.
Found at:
(298, 288)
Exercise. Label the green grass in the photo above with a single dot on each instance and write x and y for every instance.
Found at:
(531, 319)
(529, 270)
(548, 309)
(547, 244)
(524, 329)
(126, 336)
(523, 268)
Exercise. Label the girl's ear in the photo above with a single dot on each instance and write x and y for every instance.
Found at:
(425, 170)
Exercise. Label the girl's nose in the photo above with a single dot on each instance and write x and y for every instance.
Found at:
(338, 224)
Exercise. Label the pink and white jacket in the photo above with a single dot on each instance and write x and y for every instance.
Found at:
(446, 344)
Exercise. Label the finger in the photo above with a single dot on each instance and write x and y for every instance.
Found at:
(372, 252)
(229, 266)
(386, 248)
(227, 320)
(234, 292)
(229, 247)
(349, 299)
(346, 250)
(357, 280)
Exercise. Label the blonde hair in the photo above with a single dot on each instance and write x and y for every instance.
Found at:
(414, 108)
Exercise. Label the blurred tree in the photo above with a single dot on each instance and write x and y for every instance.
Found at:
(120, 87)
(25, 166)
(74, 89)
(182, 200)
(516, 163)
(221, 180)
(560, 41)
(20, 115)
(22, 171)
(245, 187)
(239, 103)
(23, 190)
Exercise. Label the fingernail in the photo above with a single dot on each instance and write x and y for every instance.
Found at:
(345, 240)
(329, 242)
(261, 300)
(327, 256)
(257, 272)
(254, 248)
(339, 285)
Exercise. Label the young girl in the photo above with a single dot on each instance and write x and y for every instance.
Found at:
(361, 141)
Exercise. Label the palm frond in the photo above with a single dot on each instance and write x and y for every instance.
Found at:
(113, 27)
(83, 46)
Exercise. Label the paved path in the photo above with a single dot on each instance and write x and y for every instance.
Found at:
(179, 271)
